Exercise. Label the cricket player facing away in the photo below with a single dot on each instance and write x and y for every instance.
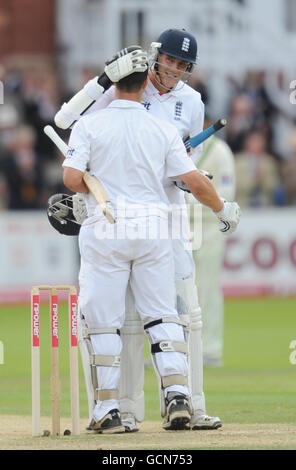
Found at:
(168, 97)
(134, 154)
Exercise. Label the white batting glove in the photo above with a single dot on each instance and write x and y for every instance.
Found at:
(79, 208)
(228, 216)
(125, 62)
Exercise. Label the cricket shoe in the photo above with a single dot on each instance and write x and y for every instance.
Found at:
(109, 424)
(200, 422)
(177, 413)
(129, 422)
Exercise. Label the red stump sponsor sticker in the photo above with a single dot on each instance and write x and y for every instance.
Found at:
(54, 322)
(35, 321)
(73, 319)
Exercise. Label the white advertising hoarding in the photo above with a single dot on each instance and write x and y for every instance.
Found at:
(260, 256)
(33, 253)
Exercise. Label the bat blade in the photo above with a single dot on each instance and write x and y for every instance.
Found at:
(100, 194)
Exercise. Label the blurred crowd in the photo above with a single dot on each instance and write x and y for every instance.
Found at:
(30, 165)
(265, 176)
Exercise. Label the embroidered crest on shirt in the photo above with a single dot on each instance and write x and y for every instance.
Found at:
(178, 110)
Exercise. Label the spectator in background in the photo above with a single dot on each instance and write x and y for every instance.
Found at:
(254, 87)
(199, 85)
(9, 120)
(289, 173)
(52, 177)
(27, 157)
(39, 102)
(4, 193)
(257, 173)
(240, 121)
(21, 170)
(263, 110)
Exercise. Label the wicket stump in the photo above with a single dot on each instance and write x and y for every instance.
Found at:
(55, 379)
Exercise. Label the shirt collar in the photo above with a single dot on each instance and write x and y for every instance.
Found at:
(125, 104)
(152, 89)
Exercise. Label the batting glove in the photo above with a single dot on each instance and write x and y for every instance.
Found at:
(125, 62)
(228, 216)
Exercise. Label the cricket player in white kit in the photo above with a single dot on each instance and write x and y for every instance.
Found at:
(218, 159)
(168, 97)
(135, 155)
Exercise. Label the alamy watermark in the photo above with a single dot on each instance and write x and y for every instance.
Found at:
(154, 221)
(292, 357)
(1, 92)
(293, 93)
(1, 353)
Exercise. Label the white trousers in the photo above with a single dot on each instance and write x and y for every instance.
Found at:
(210, 293)
(106, 268)
(132, 379)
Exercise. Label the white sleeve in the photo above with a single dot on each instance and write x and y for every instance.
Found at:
(79, 148)
(84, 99)
(177, 160)
(102, 103)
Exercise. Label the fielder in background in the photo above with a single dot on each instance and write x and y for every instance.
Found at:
(218, 159)
(167, 96)
(136, 156)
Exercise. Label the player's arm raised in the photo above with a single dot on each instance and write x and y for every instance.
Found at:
(124, 63)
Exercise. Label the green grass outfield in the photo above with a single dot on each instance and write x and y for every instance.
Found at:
(257, 383)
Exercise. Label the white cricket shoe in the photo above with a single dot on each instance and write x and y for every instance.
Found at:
(201, 422)
(129, 422)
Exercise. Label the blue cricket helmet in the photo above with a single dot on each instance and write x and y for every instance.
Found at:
(178, 43)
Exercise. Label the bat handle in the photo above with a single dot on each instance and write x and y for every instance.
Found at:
(219, 124)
